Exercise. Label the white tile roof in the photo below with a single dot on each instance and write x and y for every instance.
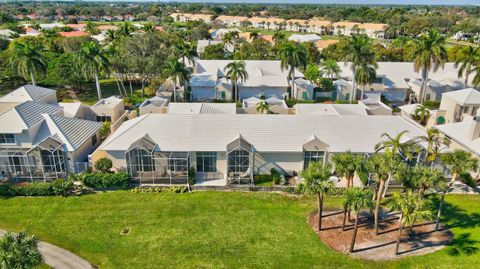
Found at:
(71, 110)
(25, 115)
(27, 93)
(304, 38)
(155, 101)
(459, 132)
(73, 132)
(111, 101)
(260, 73)
(331, 109)
(202, 108)
(267, 133)
(465, 97)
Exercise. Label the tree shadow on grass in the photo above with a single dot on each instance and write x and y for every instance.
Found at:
(463, 244)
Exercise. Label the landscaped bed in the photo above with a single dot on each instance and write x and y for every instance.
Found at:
(214, 230)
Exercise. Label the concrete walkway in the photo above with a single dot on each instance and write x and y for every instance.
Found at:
(60, 258)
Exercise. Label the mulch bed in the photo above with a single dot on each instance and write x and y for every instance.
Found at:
(369, 246)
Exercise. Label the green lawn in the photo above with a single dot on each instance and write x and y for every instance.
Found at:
(212, 230)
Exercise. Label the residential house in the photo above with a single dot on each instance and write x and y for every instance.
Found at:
(202, 108)
(374, 30)
(154, 105)
(233, 148)
(202, 44)
(30, 93)
(319, 26)
(275, 106)
(304, 38)
(265, 78)
(330, 109)
(73, 34)
(346, 28)
(297, 25)
(78, 110)
(464, 135)
(109, 109)
(457, 104)
(231, 21)
(37, 143)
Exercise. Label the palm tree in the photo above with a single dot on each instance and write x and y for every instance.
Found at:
(330, 68)
(111, 37)
(230, 38)
(422, 113)
(92, 60)
(91, 28)
(358, 50)
(292, 55)
(357, 199)
(429, 53)
(279, 36)
(149, 27)
(177, 72)
(19, 251)
(254, 34)
(185, 51)
(347, 164)
(126, 29)
(411, 207)
(476, 79)
(365, 74)
(317, 181)
(236, 71)
(382, 166)
(394, 147)
(468, 58)
(262, 107)
(28, 60)
(458, 162)
(435, 142)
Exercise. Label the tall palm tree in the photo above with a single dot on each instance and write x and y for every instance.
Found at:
(357, 199)
(347, 164)
(236, 71)
(92, 60)
(468, 58)
(28, 60)
(411, 207)
(254, 34)
(126, 29)
(292, 55)
(422, 113)
(230, 38)
(359, 51)
(430, 54)
(329, 68)
(19, 251)
(262, 107)
(382, 166)
(435, 143)
(177, 72)
(458, 162)
(365, 74)
(111, 37)
(279, 36)
(185, 51)
(317, 181)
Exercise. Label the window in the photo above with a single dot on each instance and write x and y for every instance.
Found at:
(7, 139)
(94, 140)
(238, 161)
(313, 156)
(104, 118)
(206, 162)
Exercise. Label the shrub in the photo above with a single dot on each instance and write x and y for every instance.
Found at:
(103, 165)
(468, 180)
(62, 187)
(276, 176)
(6, 190)
(106, 180)
(34, 189)
(19, 251)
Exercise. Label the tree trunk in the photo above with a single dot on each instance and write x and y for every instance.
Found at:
(344, 218)
(292, 78)
(33, 78)
(377, 204)
(320, 210)
(400, 227)
(143, 88)
(97, 83)
(354, 236)
(353, 84)
(442, 201)
(467, 74)
(423, 88)
(175, 89)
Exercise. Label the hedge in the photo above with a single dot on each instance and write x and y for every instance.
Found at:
(106, 180)
(57, 187)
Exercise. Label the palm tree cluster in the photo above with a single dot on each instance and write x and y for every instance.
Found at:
(19, 251)
(397, 157)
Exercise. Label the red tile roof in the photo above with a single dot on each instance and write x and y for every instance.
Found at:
(73, 34)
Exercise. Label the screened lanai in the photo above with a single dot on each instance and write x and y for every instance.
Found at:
(45, 162)
(240, 162)
(148, 165)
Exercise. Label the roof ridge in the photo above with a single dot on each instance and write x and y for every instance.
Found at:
(62, 135)
(139, 119)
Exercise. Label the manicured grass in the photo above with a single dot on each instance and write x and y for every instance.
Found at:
(212, 230)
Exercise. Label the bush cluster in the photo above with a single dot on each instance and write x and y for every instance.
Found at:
(105, 180)
(59, 187)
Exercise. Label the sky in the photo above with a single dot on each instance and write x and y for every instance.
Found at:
(356, 2)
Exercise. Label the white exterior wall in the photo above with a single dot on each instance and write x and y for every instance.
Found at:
(49, 99)
(203, 93)
(450, 107)
(281, 161)
(106, 110)
(152, 109)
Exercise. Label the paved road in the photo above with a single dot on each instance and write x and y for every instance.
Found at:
(60, 258)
